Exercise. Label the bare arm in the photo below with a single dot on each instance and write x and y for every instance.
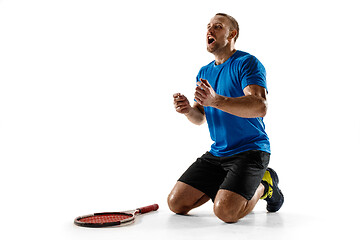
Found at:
(194, 114)
(252, 105)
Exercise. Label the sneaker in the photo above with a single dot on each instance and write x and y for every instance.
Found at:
(274, 196)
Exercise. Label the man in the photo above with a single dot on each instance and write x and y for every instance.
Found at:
(231, 96)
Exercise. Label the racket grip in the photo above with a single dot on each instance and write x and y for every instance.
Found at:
(149, 208)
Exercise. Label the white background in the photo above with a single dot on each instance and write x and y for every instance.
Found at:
(87, 122)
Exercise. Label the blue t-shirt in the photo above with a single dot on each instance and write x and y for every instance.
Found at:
(232, 134)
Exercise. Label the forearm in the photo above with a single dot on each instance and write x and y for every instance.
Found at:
(246, 107)
(196, 115)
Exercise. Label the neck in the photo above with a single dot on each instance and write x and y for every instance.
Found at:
(224, 55)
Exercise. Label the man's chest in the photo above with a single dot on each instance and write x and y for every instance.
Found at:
(225, 82)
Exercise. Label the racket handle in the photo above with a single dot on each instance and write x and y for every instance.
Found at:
(150, 208)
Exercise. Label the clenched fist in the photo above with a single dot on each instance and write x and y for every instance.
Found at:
(181, 103)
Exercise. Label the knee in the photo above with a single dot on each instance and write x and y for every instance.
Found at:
(226, 212)
(176, 205)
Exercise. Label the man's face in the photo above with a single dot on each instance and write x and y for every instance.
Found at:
(217, 34)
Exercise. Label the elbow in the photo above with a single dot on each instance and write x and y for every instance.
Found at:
(263, 109)
(200, 121)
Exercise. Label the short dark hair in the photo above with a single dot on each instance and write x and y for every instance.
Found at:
(234, 23)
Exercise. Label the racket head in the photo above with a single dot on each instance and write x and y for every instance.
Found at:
(104, 219)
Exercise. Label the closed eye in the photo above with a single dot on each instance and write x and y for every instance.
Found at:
(216, 26)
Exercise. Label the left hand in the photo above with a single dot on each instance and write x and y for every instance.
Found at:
(205, 94)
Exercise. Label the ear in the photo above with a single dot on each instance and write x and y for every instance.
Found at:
(232, 34)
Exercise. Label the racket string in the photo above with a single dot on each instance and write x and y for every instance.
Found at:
(106, 218)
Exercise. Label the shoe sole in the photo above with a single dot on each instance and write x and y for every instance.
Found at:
(275, 178)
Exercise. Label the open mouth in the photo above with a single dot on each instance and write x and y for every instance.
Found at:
(210, 39)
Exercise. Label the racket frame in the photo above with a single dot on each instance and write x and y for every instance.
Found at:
(130, 213)
(129, 220)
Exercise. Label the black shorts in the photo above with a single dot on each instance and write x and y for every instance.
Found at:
(240, 173)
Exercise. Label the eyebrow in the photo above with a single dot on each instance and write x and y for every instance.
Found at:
(216, 23)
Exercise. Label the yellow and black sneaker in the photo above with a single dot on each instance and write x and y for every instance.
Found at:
(273, 194)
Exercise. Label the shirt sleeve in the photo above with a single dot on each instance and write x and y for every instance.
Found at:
(198, 80)
(252, 72)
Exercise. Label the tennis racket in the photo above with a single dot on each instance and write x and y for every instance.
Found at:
(107, 219)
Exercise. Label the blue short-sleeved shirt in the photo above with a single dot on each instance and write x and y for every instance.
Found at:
(232, 134)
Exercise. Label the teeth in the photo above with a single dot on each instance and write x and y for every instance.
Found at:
(210, 39)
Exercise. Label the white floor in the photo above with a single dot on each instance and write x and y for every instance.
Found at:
(287, 224)
(202, 224)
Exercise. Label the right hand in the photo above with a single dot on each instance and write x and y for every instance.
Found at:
(181, 103)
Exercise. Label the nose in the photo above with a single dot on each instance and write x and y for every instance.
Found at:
(210, 31)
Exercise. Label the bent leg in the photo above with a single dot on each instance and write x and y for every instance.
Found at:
(184, 197)
(230, 206)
